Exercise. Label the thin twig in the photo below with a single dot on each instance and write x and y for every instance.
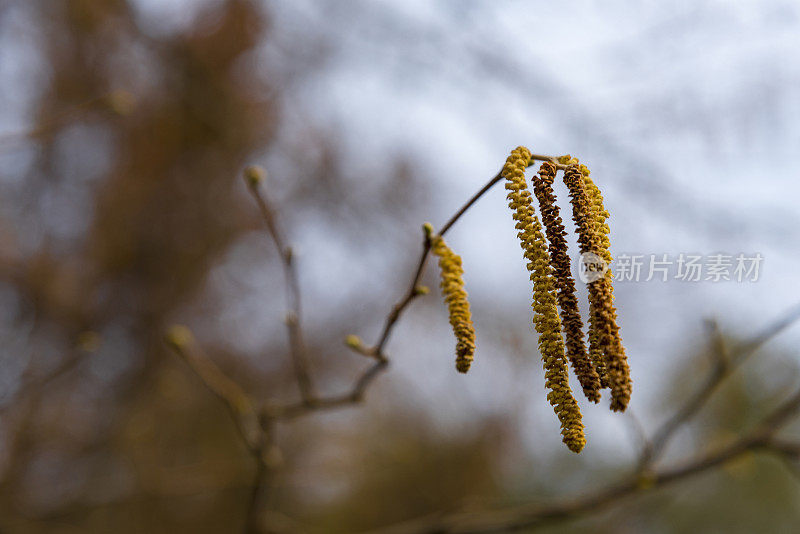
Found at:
(237, 401)
(350, 398)
(638, 431)
(256, 426)
(261, 507)
(725, 363)
(254, 521)
(411, 292)
(259, 441)
(356, 394)
(293, 317)
(32, 384)
(790, 449)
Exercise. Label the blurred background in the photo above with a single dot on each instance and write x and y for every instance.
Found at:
(124, 128)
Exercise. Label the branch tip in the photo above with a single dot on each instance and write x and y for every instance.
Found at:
(428, 229)
(254, 175)
(353, 341)
(421, 290)
(179, 336)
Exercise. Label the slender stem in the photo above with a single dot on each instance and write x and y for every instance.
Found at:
(356, 394)
(411, 293)
(470, 202)
(377, 351)
(254, 517)
(227, 390)
(726, 362)
(350, 398)
(293, 317)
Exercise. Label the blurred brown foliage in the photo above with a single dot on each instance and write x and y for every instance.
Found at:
(162, 212)
(132, 199)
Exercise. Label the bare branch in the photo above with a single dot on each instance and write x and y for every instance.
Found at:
(31, 384)
(356, 394)
(726, 361)
(255, 176)
(533, 516)
(789, 449)
(411, 292)
(238, 402)
(256, 425)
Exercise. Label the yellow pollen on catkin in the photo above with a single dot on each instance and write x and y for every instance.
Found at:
(452, 284)
(602, 229)
(600, 215)
(565, 285)
(604, 331)
(546, 318)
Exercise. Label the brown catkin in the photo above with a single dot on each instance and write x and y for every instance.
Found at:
(545, 318)
(565, 284)
(601, 297)
(455, 296)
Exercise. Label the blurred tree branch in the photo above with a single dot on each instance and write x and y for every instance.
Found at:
(531, 516)
(256, 428)
(725, 362)
(256, 425)
(761, 439)
(254, 177)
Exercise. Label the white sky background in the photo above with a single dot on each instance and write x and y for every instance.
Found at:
(688, 114)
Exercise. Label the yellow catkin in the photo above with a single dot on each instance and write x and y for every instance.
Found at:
(595, 348)
(455, 296)
(546, 319)
(604, 331)
(599, 213)
(603, 230)
(597, 216)
(600, 216)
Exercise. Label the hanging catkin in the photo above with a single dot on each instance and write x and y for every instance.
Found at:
(600, 216)
(604, 316)
(455, 296)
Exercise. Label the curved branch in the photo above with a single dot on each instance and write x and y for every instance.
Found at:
(725, 363)
(533, 516)
(300, 364)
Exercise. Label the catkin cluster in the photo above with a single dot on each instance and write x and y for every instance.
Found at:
(546, 319)
(455, 296)
(555, 303)
(565, 284)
